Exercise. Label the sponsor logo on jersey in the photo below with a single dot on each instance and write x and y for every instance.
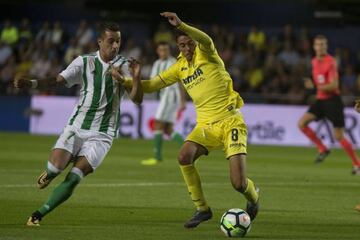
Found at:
(198, 72)
(321, 78)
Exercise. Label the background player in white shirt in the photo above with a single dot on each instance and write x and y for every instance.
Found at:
(172, 102)
(94, 123)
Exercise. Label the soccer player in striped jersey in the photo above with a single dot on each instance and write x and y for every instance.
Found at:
(219, 122)
(328, 103)
(172, 101)
(94, 123)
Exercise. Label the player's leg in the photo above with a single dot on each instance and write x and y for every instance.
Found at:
(65, 148)
(90, 156)
(58, 161)
(313, 113)
(63, 191)
(243, 184)
(159, 131)
(174, 136)
(189, 152)
(235, 144)
(158, 143)
(347, 146)
(334, 111)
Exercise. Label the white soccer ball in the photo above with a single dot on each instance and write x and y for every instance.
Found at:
(235, 223)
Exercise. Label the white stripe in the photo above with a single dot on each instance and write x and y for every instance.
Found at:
(102, 101)
(90, 86)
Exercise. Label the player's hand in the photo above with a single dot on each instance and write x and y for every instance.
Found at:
(116, 74)
(135, 68)
(22, 82)
(172, 18)
(357, 105)
(308, 83)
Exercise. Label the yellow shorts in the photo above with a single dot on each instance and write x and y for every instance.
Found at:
(229, 133)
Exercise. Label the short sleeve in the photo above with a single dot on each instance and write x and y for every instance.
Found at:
(170, 75)
(333, 71)
(72, 73)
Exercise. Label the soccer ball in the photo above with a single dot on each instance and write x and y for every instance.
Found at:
(235, 223)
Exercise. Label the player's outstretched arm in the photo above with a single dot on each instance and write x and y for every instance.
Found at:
(202, 38)
(148, 86)
(162, 80)
(23, 82)
(136, 93)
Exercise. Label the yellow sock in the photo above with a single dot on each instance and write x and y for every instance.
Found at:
(250, 192)
(192, 180)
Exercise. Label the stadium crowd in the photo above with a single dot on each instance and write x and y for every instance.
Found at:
(266, 68)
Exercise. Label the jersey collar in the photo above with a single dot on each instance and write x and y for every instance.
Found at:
(104, 63)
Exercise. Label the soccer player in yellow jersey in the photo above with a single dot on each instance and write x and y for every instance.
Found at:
(219, 122)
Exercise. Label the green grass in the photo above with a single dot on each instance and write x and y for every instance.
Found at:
(299, 200)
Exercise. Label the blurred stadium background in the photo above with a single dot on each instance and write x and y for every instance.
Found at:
(266, 47)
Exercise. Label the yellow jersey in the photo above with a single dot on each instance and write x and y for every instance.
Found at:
(204, 78)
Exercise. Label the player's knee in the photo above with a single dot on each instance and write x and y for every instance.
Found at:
(339, 137)
(301, 124)
(239, 184)
(184, 158)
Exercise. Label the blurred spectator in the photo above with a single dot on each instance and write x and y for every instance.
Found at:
(5, 52)
(348, 80)
(289, 56)
(41, 66)
(131, 50)
(263, 68)
(288, 35)
(23, 68)
(84, 34)
(44, 35)
(56, 33)
(239, 57)
(25, 33)
(9, 34)
(163, 34)
(55, 67)
(254, 77)
(256, 38)
(7, 74)
(72, 51)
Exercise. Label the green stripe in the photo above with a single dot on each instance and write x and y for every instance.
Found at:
(109, 97)
(85, 90)
(90, 114)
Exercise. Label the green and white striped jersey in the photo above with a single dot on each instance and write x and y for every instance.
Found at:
(98, 108)
(160, 66)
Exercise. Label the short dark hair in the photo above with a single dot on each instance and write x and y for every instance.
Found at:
(179, 33)
(108, 26)
(320, 37)
(163, 43)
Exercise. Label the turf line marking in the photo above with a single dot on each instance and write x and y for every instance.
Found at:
(166, 184)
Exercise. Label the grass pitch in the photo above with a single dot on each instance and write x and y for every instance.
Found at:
(125, 200)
